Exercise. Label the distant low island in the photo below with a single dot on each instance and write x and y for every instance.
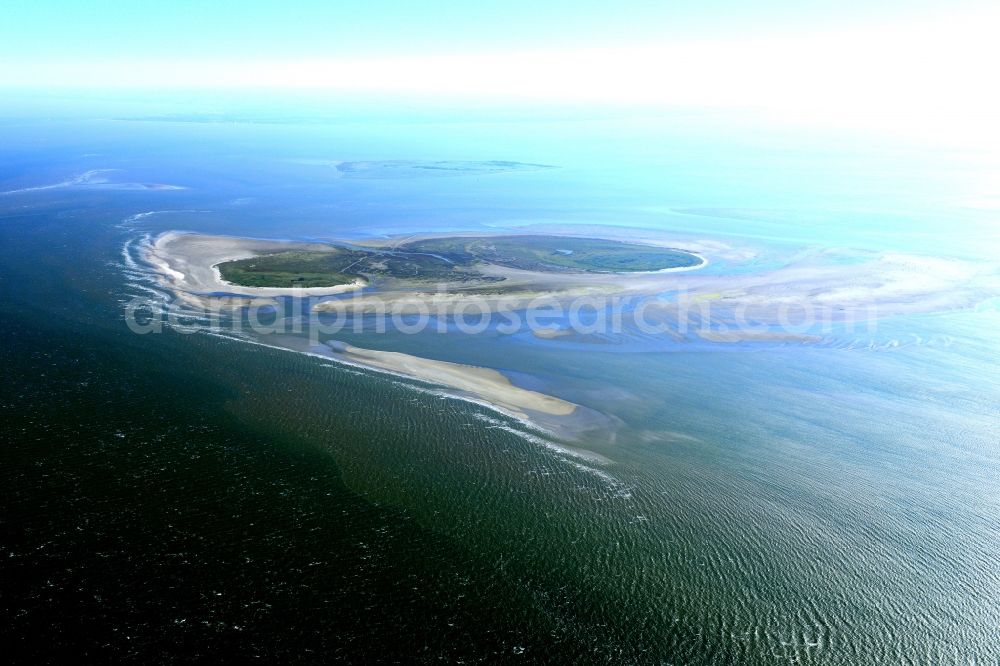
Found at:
(394, 169)
(455, 259)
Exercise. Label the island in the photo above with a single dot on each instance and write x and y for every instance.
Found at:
(447, 278)
(214, 273)
(460, 259)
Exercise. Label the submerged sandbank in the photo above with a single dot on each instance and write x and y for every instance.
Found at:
(487, 383)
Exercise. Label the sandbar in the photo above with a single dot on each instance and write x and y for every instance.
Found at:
(486, 383)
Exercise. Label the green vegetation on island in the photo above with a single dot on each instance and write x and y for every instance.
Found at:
(557, 253)
(290, 269)
(451, 259)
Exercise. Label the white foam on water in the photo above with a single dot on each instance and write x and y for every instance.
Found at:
(87, 177)
(563, 453)
(130, 221)
(619, 489)
(530, 432)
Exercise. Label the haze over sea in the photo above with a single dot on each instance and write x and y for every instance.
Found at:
(830, 503)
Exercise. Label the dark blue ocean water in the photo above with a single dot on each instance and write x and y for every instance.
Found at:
(173, 496)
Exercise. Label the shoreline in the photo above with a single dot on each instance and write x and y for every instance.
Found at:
(186, 264)
(485, 382)
(353, 285)
(481, 386)
(551, 431)
(189, 262)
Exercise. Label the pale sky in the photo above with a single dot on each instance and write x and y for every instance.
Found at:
(915, 67)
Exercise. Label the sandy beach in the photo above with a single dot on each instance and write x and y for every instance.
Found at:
(486, 383)
(187, 264)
